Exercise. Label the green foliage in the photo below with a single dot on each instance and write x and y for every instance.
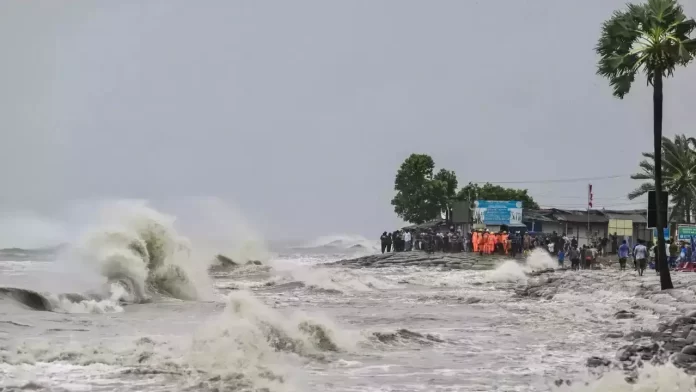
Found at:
(420, 195)
(652, 38)
(678, 174)
(496, 192)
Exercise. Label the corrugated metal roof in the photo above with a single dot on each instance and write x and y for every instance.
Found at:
(579, 216)
(428, 225)
(537, 216)
(637, 216)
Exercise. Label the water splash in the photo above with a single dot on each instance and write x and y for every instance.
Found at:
(513, 271)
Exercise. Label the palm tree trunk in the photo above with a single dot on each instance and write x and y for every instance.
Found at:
(688, 211)
(665, 278)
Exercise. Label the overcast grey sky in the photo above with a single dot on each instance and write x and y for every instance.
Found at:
(299, 112)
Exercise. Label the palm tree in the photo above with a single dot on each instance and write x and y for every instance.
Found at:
(653, 37)
(678, 175)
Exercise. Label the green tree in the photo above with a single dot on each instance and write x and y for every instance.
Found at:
(496, 192)
(678, 175)
(447, 189)
(420, 195)
(653, 38)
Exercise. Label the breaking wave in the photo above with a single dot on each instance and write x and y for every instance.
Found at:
(133, 255)
(68, 303)
(137, 248)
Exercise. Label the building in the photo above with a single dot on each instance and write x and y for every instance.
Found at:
(628, 224)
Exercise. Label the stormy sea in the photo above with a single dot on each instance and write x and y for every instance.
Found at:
(135, 306)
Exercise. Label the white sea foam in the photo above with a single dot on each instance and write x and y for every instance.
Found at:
(648, 379)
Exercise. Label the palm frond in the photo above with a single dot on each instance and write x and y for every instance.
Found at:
(648, 167)
(642, 176)
(651, 38)
(641, 190)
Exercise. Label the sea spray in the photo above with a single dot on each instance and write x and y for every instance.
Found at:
(540, 259)
(216, 227)
(513, 271)
(509, 271)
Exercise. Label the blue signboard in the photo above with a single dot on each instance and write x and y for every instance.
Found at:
(666, 233)
(492, 212)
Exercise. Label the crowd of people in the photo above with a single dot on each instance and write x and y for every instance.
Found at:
(479, 241)
(426, 240)
(486, 242)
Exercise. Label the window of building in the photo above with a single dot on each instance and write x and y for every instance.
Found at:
(622, 227)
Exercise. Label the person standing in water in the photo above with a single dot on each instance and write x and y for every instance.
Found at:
(574, 256)
(561, 257)
(623, 255)
(641, 253)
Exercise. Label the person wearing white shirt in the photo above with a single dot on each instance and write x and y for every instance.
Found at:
(641, 254)
(407, 241)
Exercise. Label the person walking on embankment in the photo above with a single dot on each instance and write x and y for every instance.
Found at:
(641, 253)
(623, 255)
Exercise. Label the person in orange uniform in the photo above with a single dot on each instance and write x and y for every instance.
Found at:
(483, 243)
(475, 240)
(491, 244)
(504, 239)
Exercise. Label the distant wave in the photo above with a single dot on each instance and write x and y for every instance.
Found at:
(341, 242)
(37, 254)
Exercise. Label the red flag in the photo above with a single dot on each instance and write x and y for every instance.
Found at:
(589, 196)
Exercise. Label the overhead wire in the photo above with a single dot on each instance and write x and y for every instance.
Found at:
(555, 180)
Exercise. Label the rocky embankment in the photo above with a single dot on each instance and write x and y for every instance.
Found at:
(462, 260)
(674, 340)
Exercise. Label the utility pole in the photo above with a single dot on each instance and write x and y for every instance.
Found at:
(589, 205)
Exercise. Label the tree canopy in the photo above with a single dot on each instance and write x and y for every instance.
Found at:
(422, 196)
(496, 192)
(652, 37)
(678, 175)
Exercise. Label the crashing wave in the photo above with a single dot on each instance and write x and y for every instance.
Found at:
(144, 254)
(133, 257)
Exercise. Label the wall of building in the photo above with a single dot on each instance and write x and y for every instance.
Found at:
(596, 230)
(577, 230)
